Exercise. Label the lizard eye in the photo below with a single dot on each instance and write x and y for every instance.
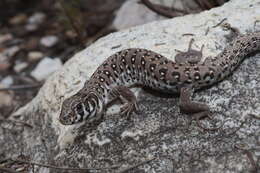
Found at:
(79, 109)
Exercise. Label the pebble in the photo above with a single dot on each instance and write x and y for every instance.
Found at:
(7, 81)
(35, 55)
(18, 19)
(6, 98)
(71, 34)
(4, 64)
(31, 27)
(9, 52)
(5, 37)
(34, 21)
(49, 41)
(19, 66)
(45, 68)
(3, 58)
(36, 18)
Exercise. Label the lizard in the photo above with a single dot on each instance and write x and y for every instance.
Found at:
(136, 66)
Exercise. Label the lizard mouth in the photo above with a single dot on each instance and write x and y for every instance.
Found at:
(68, 120)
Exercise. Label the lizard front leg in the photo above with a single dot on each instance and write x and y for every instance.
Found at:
(127, 97)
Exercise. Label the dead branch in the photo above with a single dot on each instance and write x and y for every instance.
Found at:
(16, 122)
(62, 168)
(21, 87)
(162, 10)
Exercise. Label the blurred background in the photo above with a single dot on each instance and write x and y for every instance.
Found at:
(38, 37)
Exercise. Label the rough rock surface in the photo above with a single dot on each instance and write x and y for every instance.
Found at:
(160, 130)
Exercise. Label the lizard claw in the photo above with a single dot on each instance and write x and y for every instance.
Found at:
(128, 109)
(203, 115)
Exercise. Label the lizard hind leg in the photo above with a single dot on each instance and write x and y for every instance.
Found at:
(128, 98)
(196, 109)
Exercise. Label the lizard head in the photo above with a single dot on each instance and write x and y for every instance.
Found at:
(80, 107)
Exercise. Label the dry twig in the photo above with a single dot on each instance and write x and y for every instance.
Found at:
(164, 11)
(219, 23)
(77, 27)
(62, 168)
(16, 122)
(21, 87)
(250, 157)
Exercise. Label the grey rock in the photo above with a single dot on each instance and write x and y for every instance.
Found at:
(31, 27)
(6, 98)
(36, 18)
(160, 130)
(11, 51)
(34, 21)
(34, 55)
(7, 81)
(5, 37)
(20, 66)
(49, 41)
(45, 68)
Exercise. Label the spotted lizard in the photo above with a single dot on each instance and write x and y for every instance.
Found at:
(136, 66)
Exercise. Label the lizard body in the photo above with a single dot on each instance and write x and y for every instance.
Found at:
(143, 67)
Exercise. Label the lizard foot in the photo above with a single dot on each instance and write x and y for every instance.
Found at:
(128, 109)
(202, 115)
(197, 110)
(128, 98)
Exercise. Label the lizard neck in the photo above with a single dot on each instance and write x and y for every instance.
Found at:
(94, 101)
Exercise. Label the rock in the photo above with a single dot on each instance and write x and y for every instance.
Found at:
(5, 57)
(31, 27)
(35, 55)
(4, 64)
(7, 81)
(46, 67)
(11, 51)
(34, 21)
(71, 34)
(20, 66)
(135, 13)
(37, 18)
(5, 37)
(6, 98)
(49, 41)
(159, 130)
(18, 19)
